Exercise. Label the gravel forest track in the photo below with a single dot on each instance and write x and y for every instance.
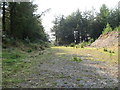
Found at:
(55, 69)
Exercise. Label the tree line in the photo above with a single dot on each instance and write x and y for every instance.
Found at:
(83, 26)
(19, 21)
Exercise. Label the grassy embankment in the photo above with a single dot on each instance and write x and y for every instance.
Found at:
(15, 60)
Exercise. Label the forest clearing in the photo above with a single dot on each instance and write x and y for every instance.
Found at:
(73, 50)
(57, 67)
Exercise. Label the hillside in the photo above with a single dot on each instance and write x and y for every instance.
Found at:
(107, 40)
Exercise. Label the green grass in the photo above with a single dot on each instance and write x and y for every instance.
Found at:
(12, 63)
(77, 59)
(78, 79)
(12, 80)
(61, 76)
(80, 85)
(96, 54)
(11, 59)
(29, 51)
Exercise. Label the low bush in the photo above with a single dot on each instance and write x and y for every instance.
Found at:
(105, 50)
(111, 51)
(72, 45)
(77, 59)
(29, 50)
(82, 46)
(117, 28)
(107, 29)
(108, 51)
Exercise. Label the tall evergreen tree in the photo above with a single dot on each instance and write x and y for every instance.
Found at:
(81, 26)
(22, 23)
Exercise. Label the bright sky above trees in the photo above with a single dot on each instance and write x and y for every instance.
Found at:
(66, 7)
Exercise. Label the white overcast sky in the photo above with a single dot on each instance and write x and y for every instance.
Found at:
(66, 7)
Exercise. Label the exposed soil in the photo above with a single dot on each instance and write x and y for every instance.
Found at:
(107, 40)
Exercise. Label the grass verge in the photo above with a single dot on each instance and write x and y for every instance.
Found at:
(12, 63)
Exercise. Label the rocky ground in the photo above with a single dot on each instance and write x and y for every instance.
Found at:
(55, 69)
